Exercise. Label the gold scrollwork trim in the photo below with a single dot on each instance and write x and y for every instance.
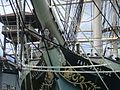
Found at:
(78, 79)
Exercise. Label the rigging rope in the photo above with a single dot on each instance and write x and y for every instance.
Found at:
(76, 17)
(91, 19)
(103, 58)
(114, 8)
(114, 32)
(23, 24)
(106, 19)
(7, 24)
(58, 45)
(96, 69)
(39, 67)
(59, 71)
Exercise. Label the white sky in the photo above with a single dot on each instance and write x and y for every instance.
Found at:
(86, 16)
(6, 10)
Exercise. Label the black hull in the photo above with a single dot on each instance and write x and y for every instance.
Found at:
(111, 80)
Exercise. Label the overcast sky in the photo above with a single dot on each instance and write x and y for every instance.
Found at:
(6, 10)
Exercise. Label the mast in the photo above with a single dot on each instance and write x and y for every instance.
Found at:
(97, 31)
(114, 23)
